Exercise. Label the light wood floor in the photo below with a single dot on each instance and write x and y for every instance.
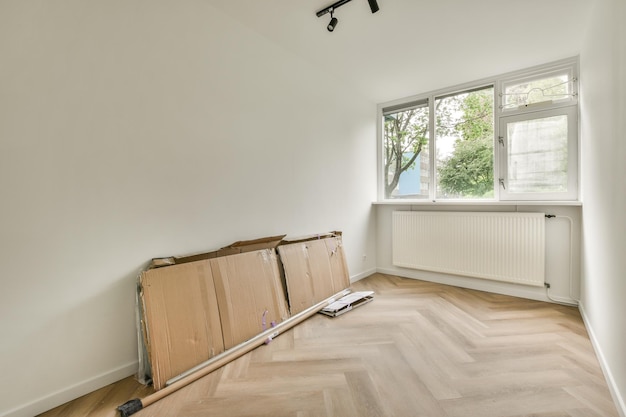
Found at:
(419, 349)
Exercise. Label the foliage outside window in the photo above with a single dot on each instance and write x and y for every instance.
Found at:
(460, 145)
(406, 137)
(464, 142)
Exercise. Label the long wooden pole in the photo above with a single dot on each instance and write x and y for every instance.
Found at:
(205, 368)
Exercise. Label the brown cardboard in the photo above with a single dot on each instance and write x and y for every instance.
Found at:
(338, 264)
(197, 306)
(249, 293)
(161, 262)
(306, 238)
(315, 269)
(182, 321)
(241, 246)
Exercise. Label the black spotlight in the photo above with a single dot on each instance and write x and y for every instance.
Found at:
(330, 9)
(373, 5)
(333, 22)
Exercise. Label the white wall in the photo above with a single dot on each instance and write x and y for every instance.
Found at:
(603, 110)
(563, 235)
(137, 129)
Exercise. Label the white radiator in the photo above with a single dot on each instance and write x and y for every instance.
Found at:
(498, 246)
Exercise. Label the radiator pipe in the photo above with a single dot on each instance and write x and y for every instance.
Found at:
(571, 301)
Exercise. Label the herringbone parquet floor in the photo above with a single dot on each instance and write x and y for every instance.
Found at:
(419, 349)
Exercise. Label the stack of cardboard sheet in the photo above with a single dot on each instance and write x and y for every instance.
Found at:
(181, 316)
(195, 307)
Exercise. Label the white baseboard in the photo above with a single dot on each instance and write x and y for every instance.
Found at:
(504, 288)
(72, 392)
(362, 275)
(620, 404)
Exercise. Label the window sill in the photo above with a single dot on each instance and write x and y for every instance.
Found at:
(431, 203)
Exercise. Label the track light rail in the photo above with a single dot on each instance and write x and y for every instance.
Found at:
(373, 7)
(331, 9)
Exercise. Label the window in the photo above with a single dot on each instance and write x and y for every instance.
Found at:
(538, 137)
(406, 170)
(547, 87)
(457, 144)
(464, 144)
(539, 155)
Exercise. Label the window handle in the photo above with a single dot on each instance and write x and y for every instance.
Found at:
(501, 180)
(501, 140)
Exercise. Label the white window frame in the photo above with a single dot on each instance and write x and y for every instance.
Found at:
(567, 106)
(572, 156)
(501, 117)
(545, 72)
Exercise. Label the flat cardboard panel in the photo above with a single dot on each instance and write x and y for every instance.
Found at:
(256, 244)
(291, 239)
(314, 270)
(181, 318)
(295, 260)
(249, 291)
(241, 246)
(338, 264)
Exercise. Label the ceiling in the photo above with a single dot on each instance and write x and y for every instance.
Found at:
(415, 46)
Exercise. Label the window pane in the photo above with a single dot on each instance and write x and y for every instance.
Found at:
(406, 169)
(532, 91)
(537, 155)
(464, 145)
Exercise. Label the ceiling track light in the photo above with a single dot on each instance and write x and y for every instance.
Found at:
(331, 9)
(333, 22)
